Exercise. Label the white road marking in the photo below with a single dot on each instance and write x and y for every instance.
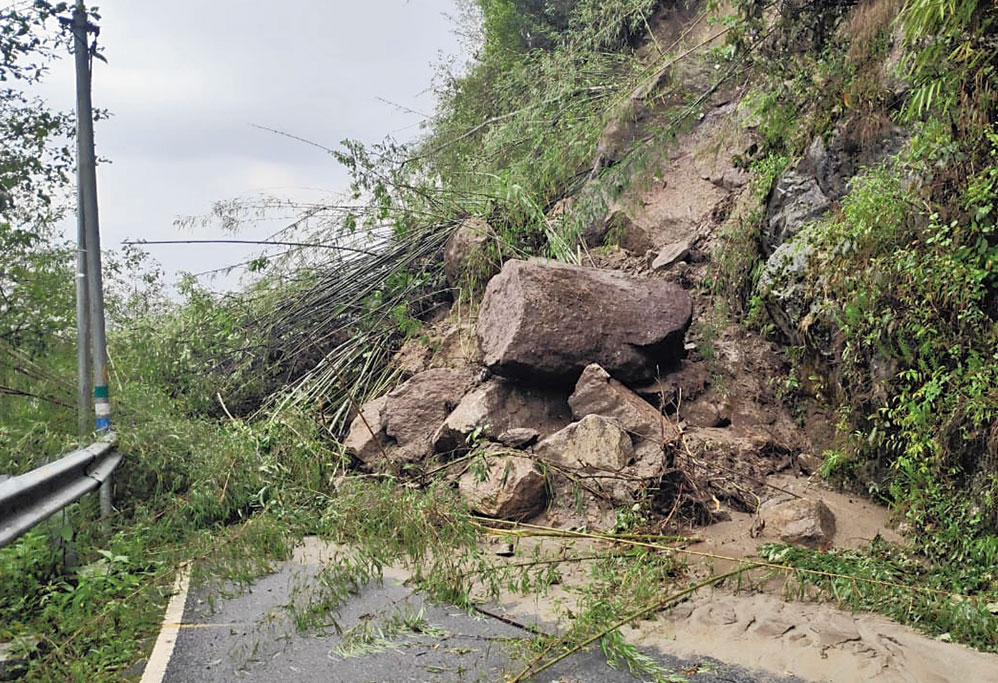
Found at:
(172, 623)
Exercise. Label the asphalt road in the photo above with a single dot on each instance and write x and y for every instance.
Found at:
(252, 637)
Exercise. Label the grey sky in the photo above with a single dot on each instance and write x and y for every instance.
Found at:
(187, 78)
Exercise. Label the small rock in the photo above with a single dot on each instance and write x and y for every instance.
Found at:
(465, 251)
(594, 442)
(519, 437)
(809, 463)
(514, 489)
(367, 439)
(413, 357)
(622, 230)
(671, 254)
(709, 410)
(498, 405)
(414, 411)
(597, 393)
(14, 656)
(799, 521)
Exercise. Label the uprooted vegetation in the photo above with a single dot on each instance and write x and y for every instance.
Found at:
(798, 204)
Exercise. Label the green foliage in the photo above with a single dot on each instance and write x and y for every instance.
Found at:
(386, 633)
(953, 59)
(894, 583)
(36, 157)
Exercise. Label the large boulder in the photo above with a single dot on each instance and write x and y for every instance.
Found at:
(799, 521)
(597, 393)
(593, 443)
(413, 411)
(543, 320)
(367, 438)
(465, 252)
(513, 489)
(496, 406)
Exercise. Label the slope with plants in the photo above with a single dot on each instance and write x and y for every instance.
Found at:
(576, 133)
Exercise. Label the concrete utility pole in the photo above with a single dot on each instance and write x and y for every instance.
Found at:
(87, 174)
(84, 385)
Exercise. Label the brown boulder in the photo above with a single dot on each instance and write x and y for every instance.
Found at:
(799, 521)
(465, 251)
(367, 438)
(597, 393)
(541, 319)
(513, 489)
(414, 411)
(499, 405)
(594, 442)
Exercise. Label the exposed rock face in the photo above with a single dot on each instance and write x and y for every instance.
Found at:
(594, 442)
(597, 393)
(465, 249)
(367, 438)
(799, 522)
(545, 320)
(413, 412)
(513, 489)
(797, 198)
(806, 191)
(782, 284)
(496, 406)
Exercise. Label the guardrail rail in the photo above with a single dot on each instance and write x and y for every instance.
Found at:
(31, 498)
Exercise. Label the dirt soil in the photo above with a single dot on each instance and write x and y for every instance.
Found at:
(758, 627)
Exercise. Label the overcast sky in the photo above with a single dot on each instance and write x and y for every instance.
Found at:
(187, 79)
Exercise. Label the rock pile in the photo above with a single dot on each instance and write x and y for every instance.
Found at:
(577, 366)
(560, 344)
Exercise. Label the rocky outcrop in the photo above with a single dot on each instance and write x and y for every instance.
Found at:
(367, 438)
(594, 442)
(597, 393)
(799, 521)
(499, 405)
(542, 320)
(783, 285)
(513, 489)
(805, 192)
(413, 412)
(465, 251)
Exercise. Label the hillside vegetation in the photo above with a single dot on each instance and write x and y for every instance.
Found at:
(862, 247)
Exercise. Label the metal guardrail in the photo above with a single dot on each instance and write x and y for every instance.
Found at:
(31, 498)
